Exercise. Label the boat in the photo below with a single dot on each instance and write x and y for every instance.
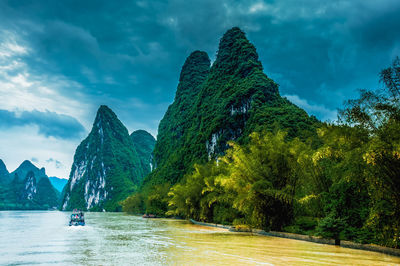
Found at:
(77, 218)
(149, 216)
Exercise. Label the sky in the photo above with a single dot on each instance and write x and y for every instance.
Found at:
(60, 60)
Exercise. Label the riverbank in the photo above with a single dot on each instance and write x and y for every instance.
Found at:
(345, 244)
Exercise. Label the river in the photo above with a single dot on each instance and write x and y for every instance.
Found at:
(44, 237)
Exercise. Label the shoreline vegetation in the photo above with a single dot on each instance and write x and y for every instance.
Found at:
(308, 238)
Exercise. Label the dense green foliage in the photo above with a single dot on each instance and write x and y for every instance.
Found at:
(144, 143)
(378, 113)
(106, 167)
(171, 154)
(252, 184)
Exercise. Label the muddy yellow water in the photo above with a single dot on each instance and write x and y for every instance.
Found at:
(44, 238)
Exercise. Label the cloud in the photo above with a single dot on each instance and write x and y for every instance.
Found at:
(9, 47)
(48, 123)
(56, 163)
(318, 110)
(20, 143)
(22, 87)
(257, 7)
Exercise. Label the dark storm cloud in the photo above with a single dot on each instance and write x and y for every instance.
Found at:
(48, 123)
(128, 54)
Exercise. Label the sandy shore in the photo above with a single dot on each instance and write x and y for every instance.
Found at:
(345, 244)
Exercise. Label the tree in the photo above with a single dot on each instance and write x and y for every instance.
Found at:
(375, 109)
(263, 175)
(200, 195)
(340, 162)
(156, 201)
(185, 196)
(331, 227)
(378, 112)
(133, 204)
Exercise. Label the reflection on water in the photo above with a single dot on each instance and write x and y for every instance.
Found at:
(35, 237)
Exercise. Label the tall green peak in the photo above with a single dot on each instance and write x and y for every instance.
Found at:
(144, 143)
(174, 126)
(105, 118)
(106, 166)
(194, 71)
(107, 127)
(236, 55)
(230, 101)
(104, 110)
(197, 63)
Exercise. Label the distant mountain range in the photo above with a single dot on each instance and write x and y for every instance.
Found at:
(26, 188)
